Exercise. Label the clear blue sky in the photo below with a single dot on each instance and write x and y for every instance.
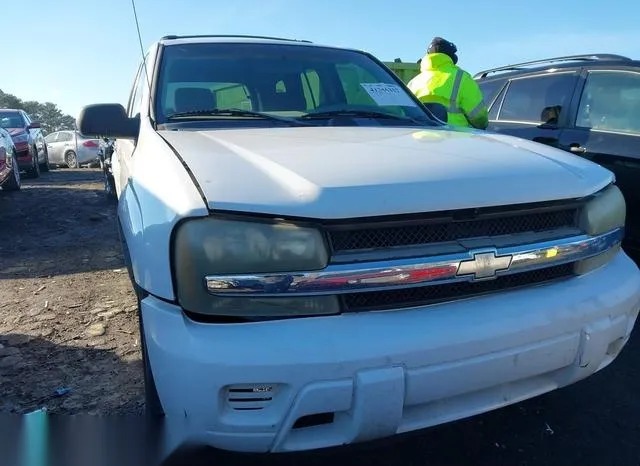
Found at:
(77, 52)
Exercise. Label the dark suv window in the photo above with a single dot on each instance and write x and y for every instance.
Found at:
(537, 99)
(12, 120)
(610, 102)
(490, 89)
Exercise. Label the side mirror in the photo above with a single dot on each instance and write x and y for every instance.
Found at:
(107, 120)
(35, 125)
(437, 110)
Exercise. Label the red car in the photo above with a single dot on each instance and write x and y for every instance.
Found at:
(31, 151)
(9, 171)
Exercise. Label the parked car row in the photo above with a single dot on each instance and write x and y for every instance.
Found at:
(30, 149)
(9, 170)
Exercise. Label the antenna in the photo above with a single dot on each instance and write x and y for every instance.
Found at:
(144, 61)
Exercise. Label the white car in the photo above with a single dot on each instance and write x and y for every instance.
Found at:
(319, 261)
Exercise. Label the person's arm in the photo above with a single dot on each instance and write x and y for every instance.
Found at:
(472, 103)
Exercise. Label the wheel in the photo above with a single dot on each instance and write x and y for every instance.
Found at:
(34, 171)
(45, 167)
(13, 182)
(109, 189)
(70, 159)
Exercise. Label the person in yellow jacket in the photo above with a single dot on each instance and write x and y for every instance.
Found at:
(442, 81)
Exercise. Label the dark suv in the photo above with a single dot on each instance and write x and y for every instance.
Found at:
(585, 104)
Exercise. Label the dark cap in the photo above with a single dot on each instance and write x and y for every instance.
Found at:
(440, 45)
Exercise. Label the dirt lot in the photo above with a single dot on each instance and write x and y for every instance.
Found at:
(67, 312)
(67, 320)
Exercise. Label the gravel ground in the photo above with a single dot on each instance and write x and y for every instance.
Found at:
(67, 310)
(67, 320)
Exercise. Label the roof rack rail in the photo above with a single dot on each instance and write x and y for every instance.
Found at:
(234, 36)
(568, 58)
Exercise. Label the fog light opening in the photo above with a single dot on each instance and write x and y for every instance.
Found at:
(615, 347)
(313, 420)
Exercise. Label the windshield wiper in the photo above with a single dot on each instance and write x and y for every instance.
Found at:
(355, 113)
(234, 112)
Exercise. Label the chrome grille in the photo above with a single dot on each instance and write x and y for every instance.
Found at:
(425, 295)
(428, 231)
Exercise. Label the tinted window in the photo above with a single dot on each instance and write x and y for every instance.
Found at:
(538, 99)
(136, 97)
(610, 102)
(12, 120)
(490, 89)
(287, 79)
(495, 107)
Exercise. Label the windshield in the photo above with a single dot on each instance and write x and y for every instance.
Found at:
(290, 81)
(11, 120)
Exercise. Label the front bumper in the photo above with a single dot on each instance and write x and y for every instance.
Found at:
(383, 373)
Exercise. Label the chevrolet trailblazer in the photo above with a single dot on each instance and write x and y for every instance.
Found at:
(320, 261)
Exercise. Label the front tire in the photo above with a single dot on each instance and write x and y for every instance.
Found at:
(34, 171)
(13, 183)
(45, 167)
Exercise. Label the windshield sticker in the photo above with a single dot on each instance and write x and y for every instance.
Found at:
(388, 94)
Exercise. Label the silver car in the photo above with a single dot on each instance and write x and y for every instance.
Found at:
(71, 149)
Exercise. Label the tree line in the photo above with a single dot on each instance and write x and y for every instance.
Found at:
(48, 114)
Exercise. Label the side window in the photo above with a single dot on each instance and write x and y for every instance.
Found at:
(490, 90)
(64, 136)
(136, 95)
(50, 138)
(497, 102)
(26, 118)
(311, 88)
(610, 102)
(538, 99)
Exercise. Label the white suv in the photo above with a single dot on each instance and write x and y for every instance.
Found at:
(320, 261)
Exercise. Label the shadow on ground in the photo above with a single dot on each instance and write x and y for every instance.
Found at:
(33, 368)
(59, 224)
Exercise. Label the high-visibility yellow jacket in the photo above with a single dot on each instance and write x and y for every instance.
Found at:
(442, 82)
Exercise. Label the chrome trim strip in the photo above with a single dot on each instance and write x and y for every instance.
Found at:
(479, 264)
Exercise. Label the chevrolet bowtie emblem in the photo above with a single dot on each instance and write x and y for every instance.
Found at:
(484, 265)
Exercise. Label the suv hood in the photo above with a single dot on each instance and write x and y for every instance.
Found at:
(350, 172)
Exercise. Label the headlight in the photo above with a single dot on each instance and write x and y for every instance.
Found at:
(211, 246)
(605, 212)
(21, 138)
